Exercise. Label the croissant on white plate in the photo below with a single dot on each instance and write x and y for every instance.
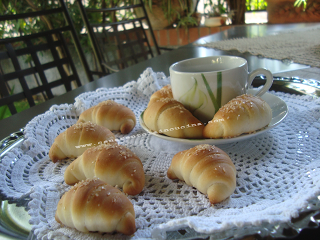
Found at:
(112, 163)
(170, 117)
(93, 205)
(207, 168)
(243, 114)
(76, 139)
(111, 115)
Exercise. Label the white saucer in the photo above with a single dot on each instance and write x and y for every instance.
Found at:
(279, 112)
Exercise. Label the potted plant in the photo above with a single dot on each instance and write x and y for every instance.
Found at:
(215, 13)
(164, 13)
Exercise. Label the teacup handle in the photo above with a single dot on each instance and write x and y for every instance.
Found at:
(267, 85)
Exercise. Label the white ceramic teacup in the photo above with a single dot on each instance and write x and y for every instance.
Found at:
(205, 84)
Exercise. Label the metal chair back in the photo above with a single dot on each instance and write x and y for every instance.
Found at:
(120, 36)
(24, 71)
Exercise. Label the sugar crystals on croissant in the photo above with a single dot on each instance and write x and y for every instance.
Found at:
(164, 92)
(113, 163)
(93, 205)
(243, 114)
(111, 115)
(76, 139)
(207, 168)
(170, 117)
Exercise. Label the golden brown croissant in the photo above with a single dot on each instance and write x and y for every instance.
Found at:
(170, 117)
(77, 138)
(112, 163)
(207, 168)
(93, 205)
(165, 92)
(111, 115)
(243, 114)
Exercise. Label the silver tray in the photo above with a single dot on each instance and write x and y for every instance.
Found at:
(14, 218)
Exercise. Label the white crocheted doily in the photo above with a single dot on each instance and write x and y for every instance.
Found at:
(300, 46)
(278, 172)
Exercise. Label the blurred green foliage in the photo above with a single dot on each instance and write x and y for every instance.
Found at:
(184, 13)
(20, 106)
(256, 5)
(27, 26)
(298, 3)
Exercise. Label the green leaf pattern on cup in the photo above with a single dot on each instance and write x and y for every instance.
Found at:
(215, 101)
(194, 96)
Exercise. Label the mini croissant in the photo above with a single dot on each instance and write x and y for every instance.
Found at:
(170, 117)
(112, 163)
(207, 168)
(77, 138)
(93, 205)
(111, 115)
(243, 114)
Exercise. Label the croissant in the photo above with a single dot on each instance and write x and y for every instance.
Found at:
(164, 92)
(111, 115)
(243, 114)
(207, 168)
(77, 138)
(93, 205)
(170, 117)
(112, 163)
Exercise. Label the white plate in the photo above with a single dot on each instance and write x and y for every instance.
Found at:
(279, 112)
